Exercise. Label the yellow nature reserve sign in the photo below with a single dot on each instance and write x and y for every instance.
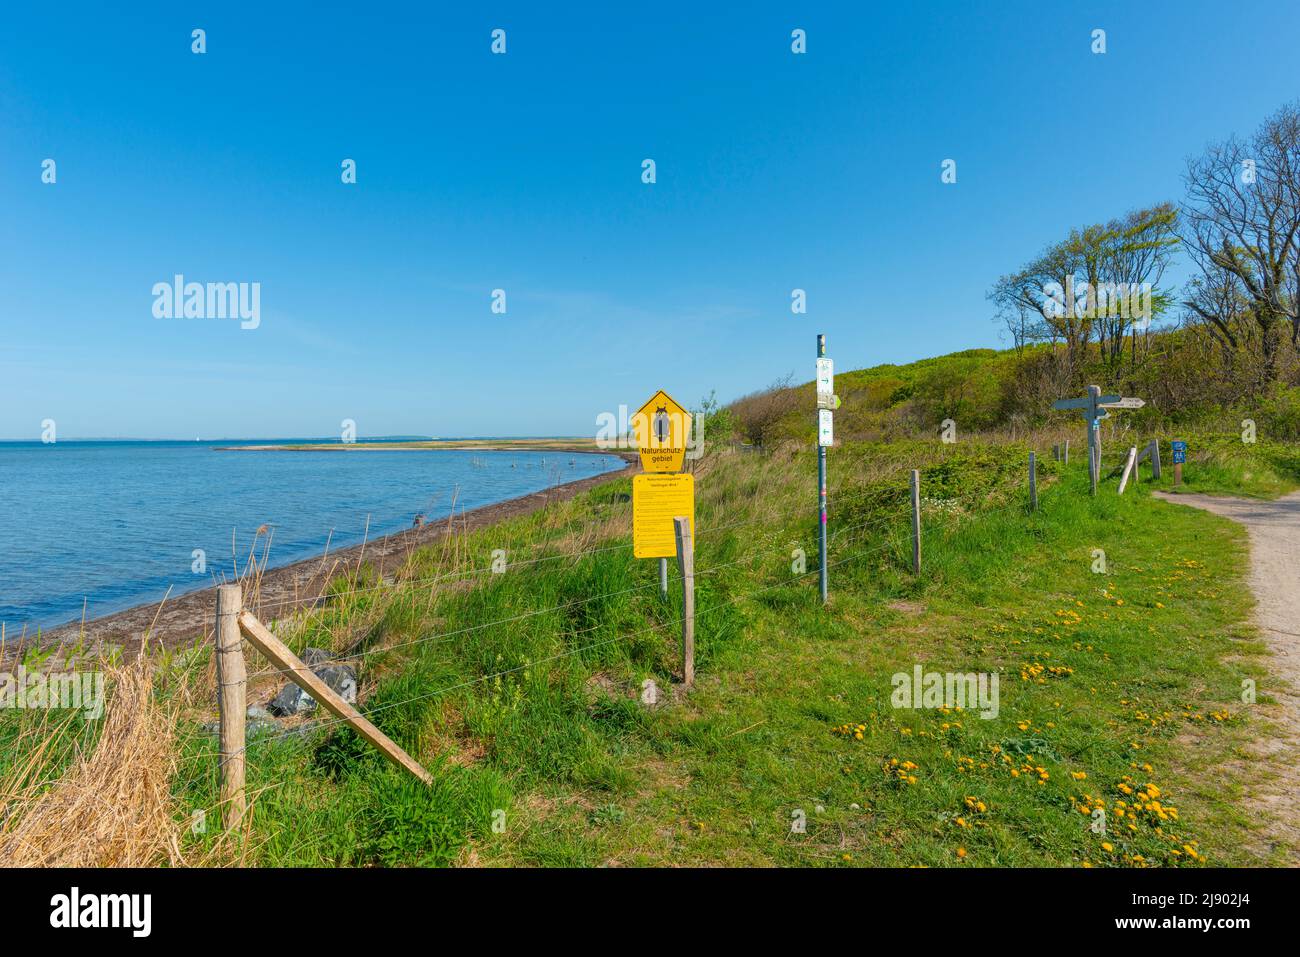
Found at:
(661, 427)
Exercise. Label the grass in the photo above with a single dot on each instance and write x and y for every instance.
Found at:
(1225, 465)
(543, 753)
(522, 691)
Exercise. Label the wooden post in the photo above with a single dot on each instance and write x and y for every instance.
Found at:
(1155, 460)
(1033, 482)
(1056, 453)
(916, 522)
(278, 653)
(686, 558)
(1130, 466)
(1094, 438)
(1065, 458)
(663, 578)
(232, 679)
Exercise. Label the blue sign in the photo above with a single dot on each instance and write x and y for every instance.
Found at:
(1180, 452)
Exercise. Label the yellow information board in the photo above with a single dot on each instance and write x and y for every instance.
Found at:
(658, 498)
(661, 427)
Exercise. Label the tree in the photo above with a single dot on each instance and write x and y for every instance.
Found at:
(1242, 221)
(1100, 280)
(759, 412)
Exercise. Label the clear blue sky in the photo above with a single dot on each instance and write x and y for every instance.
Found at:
(523, 172)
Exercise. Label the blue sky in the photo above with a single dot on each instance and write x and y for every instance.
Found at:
(523, 172)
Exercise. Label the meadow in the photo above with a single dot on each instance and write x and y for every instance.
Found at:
(524, 692)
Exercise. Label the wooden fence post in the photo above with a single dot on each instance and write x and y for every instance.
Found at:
(232, 679)
(1065, 460)
(916, 522)
(1033, 482)
(686, 558)
(663, 578)
(1130, 468)
(1155, 460)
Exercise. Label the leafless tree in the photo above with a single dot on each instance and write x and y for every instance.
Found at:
(1242, 219)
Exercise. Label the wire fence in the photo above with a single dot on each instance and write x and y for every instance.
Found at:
(895, 536)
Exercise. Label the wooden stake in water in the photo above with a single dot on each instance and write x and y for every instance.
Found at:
(916, 522)
(686, 558)
(232, 679)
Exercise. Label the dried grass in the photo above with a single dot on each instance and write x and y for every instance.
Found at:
(113, 807)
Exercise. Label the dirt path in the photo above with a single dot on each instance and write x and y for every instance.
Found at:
(1274, 529)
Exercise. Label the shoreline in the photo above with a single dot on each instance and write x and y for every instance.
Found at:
(180, 621)
(586, 447)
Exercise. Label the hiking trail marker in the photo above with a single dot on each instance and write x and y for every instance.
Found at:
(1179, 448)
(827, 402)
(1094, 407)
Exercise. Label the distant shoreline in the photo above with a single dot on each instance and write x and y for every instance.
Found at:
(585, 446)
(183, 619)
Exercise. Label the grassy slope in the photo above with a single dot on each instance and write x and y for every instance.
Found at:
(538, 717)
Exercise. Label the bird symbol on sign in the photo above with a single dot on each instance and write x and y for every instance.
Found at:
(661, 423)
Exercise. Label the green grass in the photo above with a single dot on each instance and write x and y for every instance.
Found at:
(1225, 465)
(543, 754)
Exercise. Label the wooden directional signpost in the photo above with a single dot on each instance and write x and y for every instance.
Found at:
(1094, 407)
(663, 504)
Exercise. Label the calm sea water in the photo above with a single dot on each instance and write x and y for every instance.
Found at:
(116, 523)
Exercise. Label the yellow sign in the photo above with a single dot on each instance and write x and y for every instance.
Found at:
(661, 427)
(656, 500)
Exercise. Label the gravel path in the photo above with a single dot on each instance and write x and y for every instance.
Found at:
(1274, 529)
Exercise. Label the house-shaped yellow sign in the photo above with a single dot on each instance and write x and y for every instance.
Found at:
(661, 427)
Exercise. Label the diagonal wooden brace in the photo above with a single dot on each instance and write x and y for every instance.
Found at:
(278, 653)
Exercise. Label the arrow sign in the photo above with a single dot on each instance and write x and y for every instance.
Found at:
(1083, 403)
(1124, 403)
(825, 376)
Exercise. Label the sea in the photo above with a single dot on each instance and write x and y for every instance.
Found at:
(94, 527)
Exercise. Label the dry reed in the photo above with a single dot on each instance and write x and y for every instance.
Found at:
(113, 806)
